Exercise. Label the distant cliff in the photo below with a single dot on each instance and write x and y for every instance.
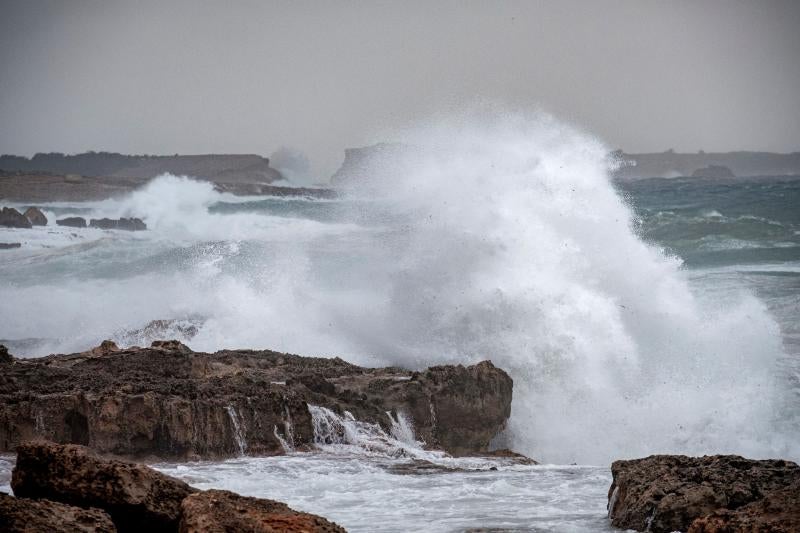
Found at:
(219, 168)
(670, 164)
(385, 161)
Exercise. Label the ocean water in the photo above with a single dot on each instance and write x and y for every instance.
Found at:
(655, 316)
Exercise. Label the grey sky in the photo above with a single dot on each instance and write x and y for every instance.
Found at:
(249, 76)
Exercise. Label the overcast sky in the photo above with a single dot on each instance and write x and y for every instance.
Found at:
(169, 77)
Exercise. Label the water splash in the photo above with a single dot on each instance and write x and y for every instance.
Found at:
(287, 439)
(238, 429)
(336, 433)
(502, 239)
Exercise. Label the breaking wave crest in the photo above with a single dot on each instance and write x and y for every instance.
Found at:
(502, 239)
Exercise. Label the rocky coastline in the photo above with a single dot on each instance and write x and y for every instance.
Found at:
(67, 488)
(72, 418)
(167, 401)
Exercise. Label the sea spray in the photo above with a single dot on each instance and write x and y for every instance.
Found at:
(502, 238)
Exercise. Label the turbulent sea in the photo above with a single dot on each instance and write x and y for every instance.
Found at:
(652, 316)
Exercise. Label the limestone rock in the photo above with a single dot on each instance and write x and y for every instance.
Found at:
(664, 493)
(11, 218)
(137, 498)
(220, 511)
(167, 401)
(35, 216)
(777, 512)
(22, 515)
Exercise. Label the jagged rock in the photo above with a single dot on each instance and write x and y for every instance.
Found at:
(220, 511)
(106, 347)
(665, 493)
(11, 218)
(170, 402)
(35, 216)
(23, 515)
(72, 222)
(128, 224)
(777, 512)
(137, 498)
(10, 245)
(5, 357)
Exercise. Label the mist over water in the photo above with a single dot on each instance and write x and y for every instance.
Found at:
(501, 239)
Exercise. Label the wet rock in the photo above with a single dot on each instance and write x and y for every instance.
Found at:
(5, 357)
(136, 497)
(9, 245)
(664, 493)
(11, 218)
(167, 401)
(35, 216)
(777, 512)
(127, 224)
(220, 511)
(23, 515)
(72, 222)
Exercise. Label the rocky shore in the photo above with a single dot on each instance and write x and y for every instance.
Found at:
(710, 494)
(37, 187)
(67, 488)
(167, 401)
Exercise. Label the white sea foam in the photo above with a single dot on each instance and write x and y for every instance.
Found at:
(503, 239)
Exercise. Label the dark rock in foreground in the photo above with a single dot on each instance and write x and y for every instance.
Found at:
(103, 495)
(72, 222)
(170, 402)
(35, 216)
(221, 511)
(128, 224)
(10, 245)
(23, 515)
(11, 218)
(665, 493)
(778, 512)
(137, 498)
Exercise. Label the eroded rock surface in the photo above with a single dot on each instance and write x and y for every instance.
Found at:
(72, 222)
(168, 401)
(220, 511)
(136, 497)
(664, 493)
(35, 216)
(777, 512)
(23, 515)
(11, 218)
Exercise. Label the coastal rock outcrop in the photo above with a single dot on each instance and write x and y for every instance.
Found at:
(66, 488)
(11, 218)
(127, 224)
(168, 401)
(665, 493)
(35, 216)
(777, 512)
(137, 498)
(72, 222)
(220, 511)
(23, 515)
